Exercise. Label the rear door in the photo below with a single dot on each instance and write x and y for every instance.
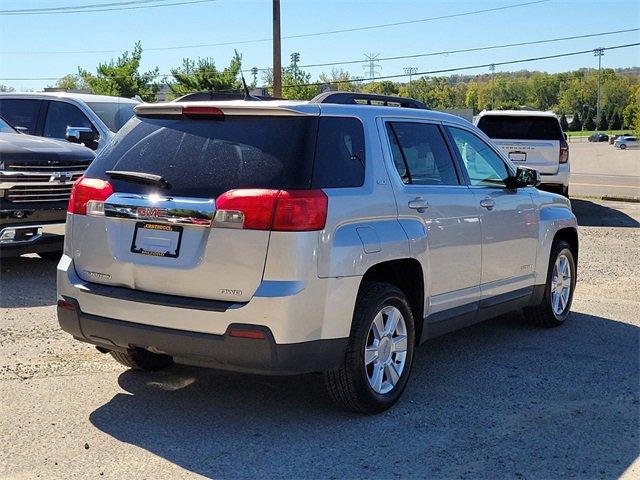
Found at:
(533, 141)
(159, 239)
(23, 113)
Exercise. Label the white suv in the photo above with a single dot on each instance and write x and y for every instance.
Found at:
(329, 236)
(531, 138)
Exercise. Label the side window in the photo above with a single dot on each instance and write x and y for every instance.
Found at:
(420, 154)
(21, 113)
(61, 115)
(484, 166)
(339, 157)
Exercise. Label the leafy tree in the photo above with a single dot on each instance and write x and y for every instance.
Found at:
(339, 79)
(563, 123)
(384, 87)
(202, 75)
(588, 122)
(295, 81)
(5, 88)
(72, 82)
(615, 121)
(121, 77)
(576, 124)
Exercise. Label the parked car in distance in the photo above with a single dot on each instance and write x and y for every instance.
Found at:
(36, 175)
(531, 138)
(598, 137)
(79, 118)
(284, 237)
(626, 142)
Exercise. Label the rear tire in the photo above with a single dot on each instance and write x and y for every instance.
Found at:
(555, 306)
(565, 191)
(379, 355)
(142, 360)
(622, 146)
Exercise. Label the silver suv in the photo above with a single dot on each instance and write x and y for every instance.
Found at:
(332, 236)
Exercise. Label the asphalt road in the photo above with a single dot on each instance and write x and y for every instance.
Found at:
(598, 169)
(497, 400)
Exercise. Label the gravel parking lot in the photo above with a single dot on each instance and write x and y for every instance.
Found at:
(500, 399)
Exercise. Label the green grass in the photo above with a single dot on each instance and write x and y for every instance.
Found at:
(586, 133)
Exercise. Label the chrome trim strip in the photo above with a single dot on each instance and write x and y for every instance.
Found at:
(50, 228)
(173, 210)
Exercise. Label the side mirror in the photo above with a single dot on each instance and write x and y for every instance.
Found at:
(526, 177)
(80, 135)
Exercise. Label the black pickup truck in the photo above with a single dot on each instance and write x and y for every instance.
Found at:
(36, 175)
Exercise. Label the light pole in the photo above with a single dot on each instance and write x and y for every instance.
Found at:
(410, 71)
(598, 52)
(492, 67)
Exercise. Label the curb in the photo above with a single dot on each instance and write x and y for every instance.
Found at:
(617, 198)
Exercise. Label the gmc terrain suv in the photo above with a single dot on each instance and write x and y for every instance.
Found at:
(36, 176)
(534, 139)
(282, 237)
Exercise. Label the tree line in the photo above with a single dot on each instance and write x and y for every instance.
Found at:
(569, 94)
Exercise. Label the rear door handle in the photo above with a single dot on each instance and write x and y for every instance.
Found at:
(487, 203)
(419, 204)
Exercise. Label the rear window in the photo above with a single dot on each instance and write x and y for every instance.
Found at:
(207, 157)
(520, 127)
(21, 112)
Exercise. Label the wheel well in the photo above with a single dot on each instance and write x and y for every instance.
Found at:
(405, 274)
(569, 235)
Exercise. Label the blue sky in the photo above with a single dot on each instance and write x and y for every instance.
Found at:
(236, 21)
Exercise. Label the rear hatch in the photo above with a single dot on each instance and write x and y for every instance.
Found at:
(155, 234)
(534, 141)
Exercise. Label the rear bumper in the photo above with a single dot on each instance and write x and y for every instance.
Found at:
(560, 178)
(261, 356)
(18, 239)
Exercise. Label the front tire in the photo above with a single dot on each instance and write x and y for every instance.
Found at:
(622, 146)
(139, 359)
(558, 294)
(379, 355)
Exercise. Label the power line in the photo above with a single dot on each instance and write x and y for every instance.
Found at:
(76, 7)
(470, 67)
(423, 73)
(85, 9)
(302, 35)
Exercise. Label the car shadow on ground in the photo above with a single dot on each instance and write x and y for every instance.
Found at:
(27, 282)
(499, 399)
(591, 214)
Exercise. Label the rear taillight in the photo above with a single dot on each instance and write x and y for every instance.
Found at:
(278, 210)
(564, 151)
(88, 196)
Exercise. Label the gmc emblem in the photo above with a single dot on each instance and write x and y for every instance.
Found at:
(151, 212)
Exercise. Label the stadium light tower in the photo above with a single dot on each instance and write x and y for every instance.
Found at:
(598, 52)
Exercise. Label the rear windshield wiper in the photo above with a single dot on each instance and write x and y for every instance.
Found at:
(139, 177)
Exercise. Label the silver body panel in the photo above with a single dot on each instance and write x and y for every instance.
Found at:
(303, 286)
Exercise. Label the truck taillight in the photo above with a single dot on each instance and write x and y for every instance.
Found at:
(564, 151)
(277, 210)
(88, 196)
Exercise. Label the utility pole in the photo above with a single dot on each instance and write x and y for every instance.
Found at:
(373, 64)
(492, 67)
(277, 59)
(598, 52)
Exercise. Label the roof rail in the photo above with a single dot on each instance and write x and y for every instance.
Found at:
(355, 98)
(212, 95)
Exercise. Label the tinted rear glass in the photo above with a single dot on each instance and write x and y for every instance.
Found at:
(205, 158)
(521, 128)
(21, 112)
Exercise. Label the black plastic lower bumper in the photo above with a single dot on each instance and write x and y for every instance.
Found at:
(261, 356)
